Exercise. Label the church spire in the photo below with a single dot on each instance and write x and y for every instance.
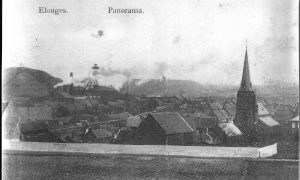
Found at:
(246, 83)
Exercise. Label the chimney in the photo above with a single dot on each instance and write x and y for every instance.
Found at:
(71, 77)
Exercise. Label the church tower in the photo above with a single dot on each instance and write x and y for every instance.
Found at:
(246, 107)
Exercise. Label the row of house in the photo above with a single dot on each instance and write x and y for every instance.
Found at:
(173, 129)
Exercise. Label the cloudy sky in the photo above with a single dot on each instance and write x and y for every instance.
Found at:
(196, 40)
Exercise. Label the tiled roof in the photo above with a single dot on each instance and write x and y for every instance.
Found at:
(230, 110)
(205, 122)
(269, 121)
(171, 122)
(220, 114)
(191, 122)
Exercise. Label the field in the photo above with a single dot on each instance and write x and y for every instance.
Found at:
(43, 166)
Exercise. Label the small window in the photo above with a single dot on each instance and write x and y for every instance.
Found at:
(293, 125)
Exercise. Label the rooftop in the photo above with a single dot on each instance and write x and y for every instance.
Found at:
(269, 121)
(172, 122)
(230, 129)
(295, 118)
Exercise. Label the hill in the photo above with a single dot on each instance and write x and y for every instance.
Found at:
(27, 82)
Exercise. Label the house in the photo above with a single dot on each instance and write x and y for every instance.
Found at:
(126, 135)
(62, 96)
(215, 106)
(70, 133)
(268, 129)
(294, 123)
(227, 134)
(36, 131)
(97, 136)
(165, 128)
(201, 126)
(221, 115)
(292, 129)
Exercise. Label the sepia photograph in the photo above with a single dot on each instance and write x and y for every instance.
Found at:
(140, 89)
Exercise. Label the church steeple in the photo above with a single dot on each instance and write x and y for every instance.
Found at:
(246, 83)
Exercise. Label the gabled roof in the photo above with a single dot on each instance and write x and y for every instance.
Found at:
(269, 121)
(230, 129)
(262, 110)
(171, 122)
(191, 122)
(295, 119)
(230, 110)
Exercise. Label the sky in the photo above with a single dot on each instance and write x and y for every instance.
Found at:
(203, 40)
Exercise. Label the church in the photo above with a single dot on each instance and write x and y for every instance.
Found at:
(251, 117)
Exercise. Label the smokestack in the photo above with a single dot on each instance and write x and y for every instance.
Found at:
(71, 78)
(93, 79)
(164, 85)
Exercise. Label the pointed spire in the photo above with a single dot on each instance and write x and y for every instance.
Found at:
(246, 83)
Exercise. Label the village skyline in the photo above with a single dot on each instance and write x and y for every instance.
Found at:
(202, 41)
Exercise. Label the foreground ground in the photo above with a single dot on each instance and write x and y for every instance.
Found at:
(47, 166)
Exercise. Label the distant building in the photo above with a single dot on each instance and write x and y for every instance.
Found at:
(165, 128)
(293, 125)
(221, 115)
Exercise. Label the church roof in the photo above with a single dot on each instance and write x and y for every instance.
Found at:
(269, 121)
(262, 110)
(246, 83)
